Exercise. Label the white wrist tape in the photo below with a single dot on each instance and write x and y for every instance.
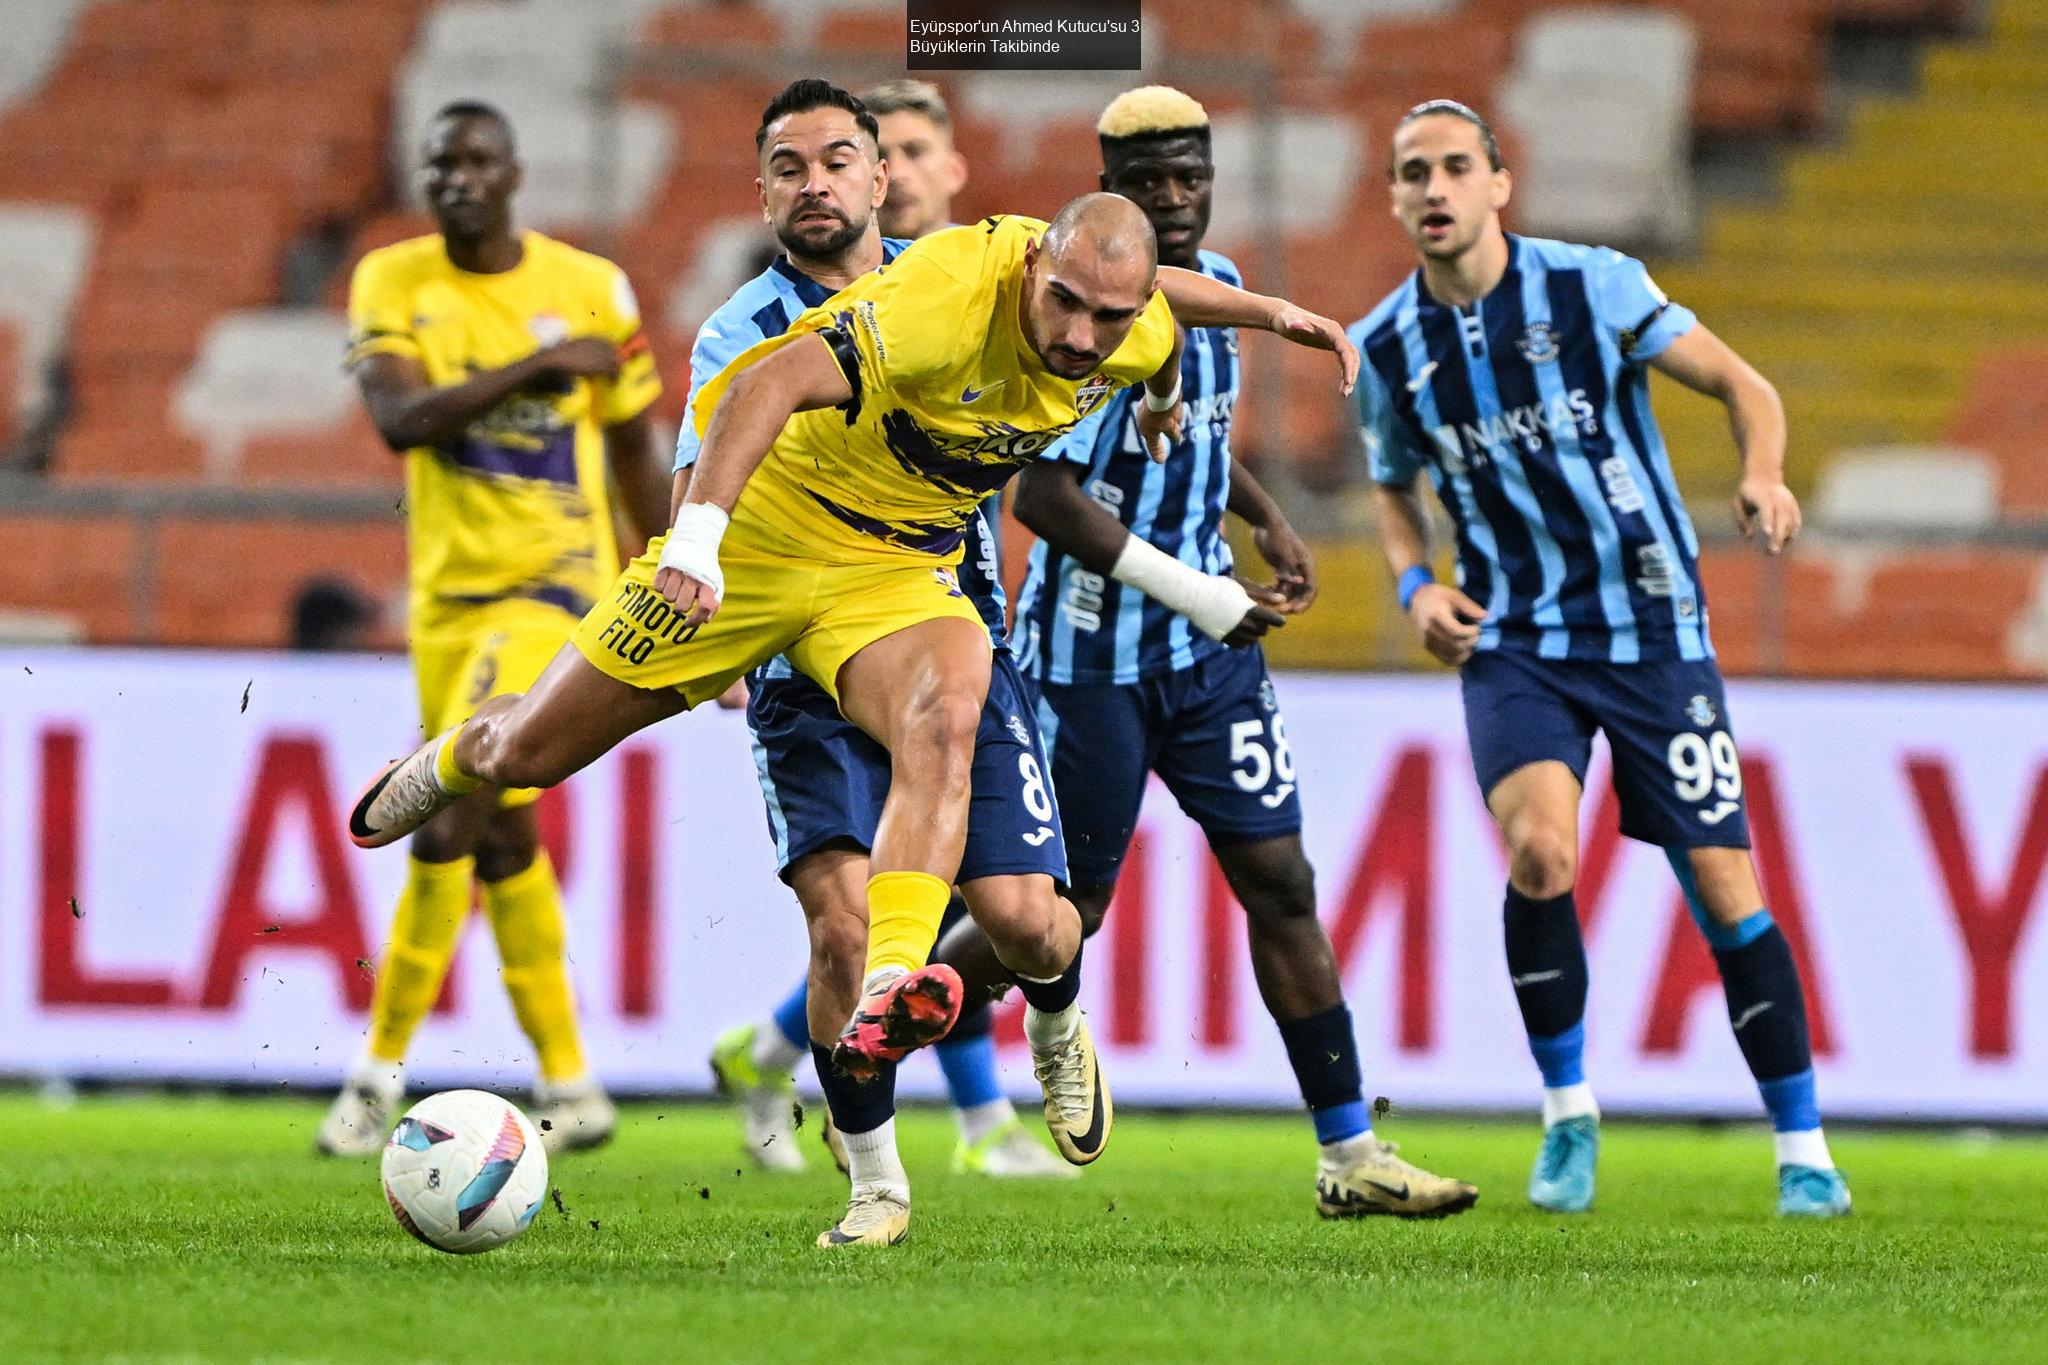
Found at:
(1167, 403)
(692, 546)
(1212, 603)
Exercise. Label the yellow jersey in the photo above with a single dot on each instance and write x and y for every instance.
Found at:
(516, 507)
(950, 401)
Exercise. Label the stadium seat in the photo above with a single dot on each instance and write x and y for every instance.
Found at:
(348, 456)
(37, 31)
(1602, 100)
(1907, 488)
(1312, 162)
(44, 251)
(717, 31)
(74, 571)
(266, 560)
(18, 398)
(2002, 413)
(271, 374)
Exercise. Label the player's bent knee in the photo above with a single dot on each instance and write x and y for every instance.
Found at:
(1543, 862)
(946, 722)
(1276, 889)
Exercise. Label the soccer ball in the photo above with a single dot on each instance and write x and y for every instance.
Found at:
(464, 1171)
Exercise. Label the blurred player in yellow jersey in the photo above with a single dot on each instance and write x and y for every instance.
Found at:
(511, 371)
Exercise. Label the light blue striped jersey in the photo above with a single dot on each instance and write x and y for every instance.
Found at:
(1530, 410)
(764, 307)
(1074, 626)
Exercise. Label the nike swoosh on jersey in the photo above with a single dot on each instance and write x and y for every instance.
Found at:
(1422, 377)
(970, 393)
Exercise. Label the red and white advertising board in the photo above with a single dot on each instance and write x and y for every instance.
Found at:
(178, 900)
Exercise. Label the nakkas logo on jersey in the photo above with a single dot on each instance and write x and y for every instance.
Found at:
(1466, 443)
(549, 329)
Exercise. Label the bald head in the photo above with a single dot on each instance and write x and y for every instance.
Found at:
(1112, 229)
(1086, 281)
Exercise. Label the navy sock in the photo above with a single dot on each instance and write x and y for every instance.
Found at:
(1324, 1053)
(1767, 1006)
(857, 1106)
(1547, 965)
(1050, 997)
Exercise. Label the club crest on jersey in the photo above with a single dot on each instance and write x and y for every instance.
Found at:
(1701, 712)
(1016, 724)
(1539, 343)
(1266, 697)
(549, 329)
(1090, 394)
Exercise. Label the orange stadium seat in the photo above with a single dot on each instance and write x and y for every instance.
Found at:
(350, 456)
(216, 243)
(75, 567)
(195, 43)
(1229, 37)
(10, 384)
(1940, 614)
(1460, 56)
(80, 142)
(122, 450)
(721, 29)
(1738, 580)
(266, 562)
(2003, 413)
(856, 34)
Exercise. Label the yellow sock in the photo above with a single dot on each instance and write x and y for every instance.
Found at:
(453, 780)
(526, 915)
(904, 910)
(423, 934)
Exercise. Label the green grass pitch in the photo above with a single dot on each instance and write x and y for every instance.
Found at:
(155, 1228)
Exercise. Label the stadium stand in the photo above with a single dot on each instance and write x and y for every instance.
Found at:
(184, 185)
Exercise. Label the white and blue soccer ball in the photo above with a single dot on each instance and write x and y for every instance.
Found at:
(464, 1171)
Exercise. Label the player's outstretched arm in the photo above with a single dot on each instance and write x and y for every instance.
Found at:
(1706, 364)
(1283, 550)
(408, 410)
(1050, 502)
(1198, 301)
(798, 377)
(642, 473)
(1447, 620)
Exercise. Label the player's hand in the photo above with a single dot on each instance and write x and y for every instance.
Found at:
(1160, 430)
(733, 698)
(1447, 620)
(694, 600)
(1289, 556)
(1268, 609)
(1767, 505)
(581, 358)
(1313, 329)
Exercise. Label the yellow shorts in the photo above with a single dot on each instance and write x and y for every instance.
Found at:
(499, 649)
(820, 614)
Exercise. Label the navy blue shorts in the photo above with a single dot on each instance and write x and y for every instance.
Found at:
(1212, 732)
(1675, 767)
(825, 780)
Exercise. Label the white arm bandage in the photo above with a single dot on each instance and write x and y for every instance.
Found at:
(692, 546)
(1166, 404)
(1213, 603)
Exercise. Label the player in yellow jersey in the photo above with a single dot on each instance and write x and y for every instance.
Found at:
(510, 371)
(839, 466)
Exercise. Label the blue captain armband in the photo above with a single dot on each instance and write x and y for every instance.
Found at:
(1413, 581)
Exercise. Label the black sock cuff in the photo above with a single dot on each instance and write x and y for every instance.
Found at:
(857, 1106)
(1324, 1054)
(1050, 997)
